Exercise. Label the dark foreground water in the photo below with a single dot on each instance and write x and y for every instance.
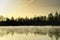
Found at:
(29, 33)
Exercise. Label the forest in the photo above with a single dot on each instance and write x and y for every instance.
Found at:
(53, 20)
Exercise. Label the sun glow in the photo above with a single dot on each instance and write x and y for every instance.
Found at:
(23, 8)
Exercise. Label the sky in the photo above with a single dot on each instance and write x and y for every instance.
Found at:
(29, 8)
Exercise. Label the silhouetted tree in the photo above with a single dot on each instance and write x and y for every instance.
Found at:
(37, 20)
(56, 18)
(50, 19)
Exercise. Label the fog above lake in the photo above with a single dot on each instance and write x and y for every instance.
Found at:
(29, 33)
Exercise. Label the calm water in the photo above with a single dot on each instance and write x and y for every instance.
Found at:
(29, 33)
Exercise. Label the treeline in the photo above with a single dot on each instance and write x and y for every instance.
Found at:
(53, 20)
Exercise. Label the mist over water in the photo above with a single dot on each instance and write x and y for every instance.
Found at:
(29, 33)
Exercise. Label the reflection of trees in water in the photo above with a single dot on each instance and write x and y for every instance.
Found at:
(36, 31)
(54, 32)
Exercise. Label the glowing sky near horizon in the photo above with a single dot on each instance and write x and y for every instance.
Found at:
(30, 8)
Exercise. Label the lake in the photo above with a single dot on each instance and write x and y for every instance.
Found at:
(29, 32)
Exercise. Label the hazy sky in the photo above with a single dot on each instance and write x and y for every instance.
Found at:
(30, 8)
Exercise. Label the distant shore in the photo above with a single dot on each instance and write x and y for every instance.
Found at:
(51, 20)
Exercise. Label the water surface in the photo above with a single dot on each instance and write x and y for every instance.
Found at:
(29, 33)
